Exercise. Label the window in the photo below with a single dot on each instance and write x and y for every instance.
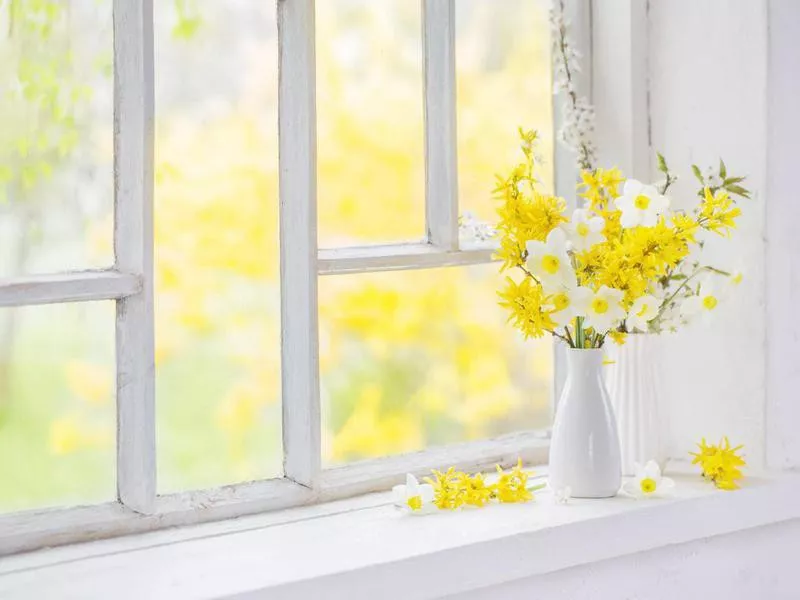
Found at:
(298, 314)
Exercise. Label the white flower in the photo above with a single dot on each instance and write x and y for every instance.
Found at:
(643, 310)
(704, 302)
(602, 309)
(413, 497)
(584, 230)
(564, 303)
(640, 204)
(735, 278)
(549, 261)
(648, 482)
(563, 495)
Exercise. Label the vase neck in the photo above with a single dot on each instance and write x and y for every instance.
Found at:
(584, 361)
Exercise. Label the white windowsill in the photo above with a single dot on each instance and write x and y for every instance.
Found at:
(363, 548)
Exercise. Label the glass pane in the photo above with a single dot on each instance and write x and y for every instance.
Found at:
(57, 405)
(56, 136)
(503, 80)
(216, 262)
(371, 174)
(411, 359)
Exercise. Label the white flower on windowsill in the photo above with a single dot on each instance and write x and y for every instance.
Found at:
(640, 204)
(549, 261)
(584, 230)
(414, 497)
(648, 482)
(643, 310)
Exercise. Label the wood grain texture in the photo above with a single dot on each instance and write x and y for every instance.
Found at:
(298, 241)
(397, 257)
(83, 286)
(441, 163)
(133, 247)
(23, 532)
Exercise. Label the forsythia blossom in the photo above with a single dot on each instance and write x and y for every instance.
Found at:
(720, 463)
(451, 489)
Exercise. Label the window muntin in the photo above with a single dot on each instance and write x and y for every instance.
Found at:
(132, 282)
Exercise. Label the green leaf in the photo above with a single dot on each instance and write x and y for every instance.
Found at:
(698, 174)
(723, 171)
(739, 190)
(662, 164)
(731, 180)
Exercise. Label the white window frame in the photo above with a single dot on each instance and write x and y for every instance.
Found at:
(130, 283)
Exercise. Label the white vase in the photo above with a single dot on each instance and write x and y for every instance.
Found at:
(633, 384)
(584, 449)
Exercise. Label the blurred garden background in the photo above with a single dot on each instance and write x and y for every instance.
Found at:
(408, 359)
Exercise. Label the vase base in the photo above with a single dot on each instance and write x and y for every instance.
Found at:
(589, 496)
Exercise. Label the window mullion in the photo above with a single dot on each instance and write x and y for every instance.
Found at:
(298, 241)
(441, 169)
(133, 247)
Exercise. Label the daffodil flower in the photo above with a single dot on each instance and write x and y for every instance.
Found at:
(564, 303)
(414, 497)
(648, 482)
(640, 204)
(643, 310)
(548, 261)
(602, 309)
(585, 230)
(704, 302)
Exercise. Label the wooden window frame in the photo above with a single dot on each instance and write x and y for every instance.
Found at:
(138, 506)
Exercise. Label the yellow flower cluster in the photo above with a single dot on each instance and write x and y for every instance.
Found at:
(720, 463)
(525, 213)
(454, 489)
(526, 303)
(718, 213)
(633, 260)
(617, 264)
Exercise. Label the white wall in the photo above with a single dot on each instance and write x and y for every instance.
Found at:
(700, 80)
(759, 564)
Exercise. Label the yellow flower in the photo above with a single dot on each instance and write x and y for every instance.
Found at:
(720, 463)
(525, 301)
(513, 486)
(448, 491)
(718, 212)
(618, 337)
(476, 492)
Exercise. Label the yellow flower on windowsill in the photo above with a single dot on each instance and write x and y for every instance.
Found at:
(720, 463)
(513, 486)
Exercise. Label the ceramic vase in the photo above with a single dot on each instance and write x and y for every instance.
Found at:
(585, 448)
(632, 377)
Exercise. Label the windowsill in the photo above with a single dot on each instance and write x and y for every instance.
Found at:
(364, 548)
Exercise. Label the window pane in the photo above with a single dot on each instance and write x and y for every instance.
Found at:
(371, 181)
(57, 399)
(503, 80)
(56, 136)
(216, 263)
(411, 359)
